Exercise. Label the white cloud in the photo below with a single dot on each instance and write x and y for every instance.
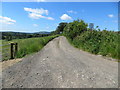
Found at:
(71, 11)
(35, 16)
(6, 20)
(38, 13)
(38, 16)
(49, 18)
(35, 25)
(65, 17)
(111, 15)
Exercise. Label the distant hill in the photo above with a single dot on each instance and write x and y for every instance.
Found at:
(43, 32)
(21, 35)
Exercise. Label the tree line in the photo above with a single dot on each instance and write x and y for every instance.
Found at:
(17, 35)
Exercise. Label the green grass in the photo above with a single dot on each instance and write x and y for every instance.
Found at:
(98, 42)
(28, 46)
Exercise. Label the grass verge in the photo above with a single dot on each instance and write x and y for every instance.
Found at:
(28, 46)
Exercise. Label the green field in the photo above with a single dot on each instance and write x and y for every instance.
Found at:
(25, 46)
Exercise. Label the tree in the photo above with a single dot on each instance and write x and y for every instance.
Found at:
(61, 27)
(97, 27)
(9, 37)
(75, 28)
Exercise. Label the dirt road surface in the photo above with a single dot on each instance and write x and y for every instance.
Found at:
(60, 65)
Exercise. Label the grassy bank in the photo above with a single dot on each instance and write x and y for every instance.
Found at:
(28, 46)
(98, 42)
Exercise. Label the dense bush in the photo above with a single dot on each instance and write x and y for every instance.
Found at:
(98, 42)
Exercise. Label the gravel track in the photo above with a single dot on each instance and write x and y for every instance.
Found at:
(60, 65)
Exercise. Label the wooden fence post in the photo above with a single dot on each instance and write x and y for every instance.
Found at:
(12, 51)
(16, 49)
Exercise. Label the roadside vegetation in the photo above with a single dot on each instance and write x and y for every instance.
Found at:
(29, 45)
(96, 41)
(101, 42)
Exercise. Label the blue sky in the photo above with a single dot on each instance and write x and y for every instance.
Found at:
(45, 16)
(60, 0)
